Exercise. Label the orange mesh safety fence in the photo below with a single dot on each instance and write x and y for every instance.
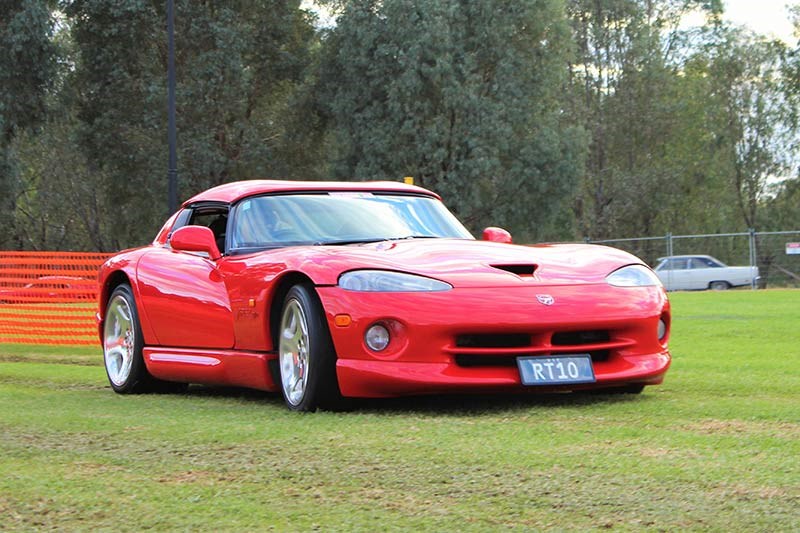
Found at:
(49, 297)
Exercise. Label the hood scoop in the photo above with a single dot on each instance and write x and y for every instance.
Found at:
(522, 270)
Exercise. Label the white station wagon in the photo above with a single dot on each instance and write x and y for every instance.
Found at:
(701, 272)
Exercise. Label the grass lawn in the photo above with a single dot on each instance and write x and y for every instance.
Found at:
(716, 447)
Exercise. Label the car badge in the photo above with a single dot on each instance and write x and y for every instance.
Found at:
(545, 299)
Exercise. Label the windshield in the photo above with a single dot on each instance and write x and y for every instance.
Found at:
(339, 218)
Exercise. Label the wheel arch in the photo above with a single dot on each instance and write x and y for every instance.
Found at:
(111, 281)
(114, 280)
(282, 287)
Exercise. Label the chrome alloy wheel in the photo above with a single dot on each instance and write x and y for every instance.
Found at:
(119, 339)
(293, 352)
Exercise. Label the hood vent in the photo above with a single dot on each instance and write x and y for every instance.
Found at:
(523, 271)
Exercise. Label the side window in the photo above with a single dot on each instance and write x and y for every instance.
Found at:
(678, 264)
(215, 219)
(703, 262)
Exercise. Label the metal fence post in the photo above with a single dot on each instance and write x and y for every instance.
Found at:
(669, 243)
(753, 258)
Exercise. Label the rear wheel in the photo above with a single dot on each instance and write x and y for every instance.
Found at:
(306, 356)
(719, 286)
(122, 343)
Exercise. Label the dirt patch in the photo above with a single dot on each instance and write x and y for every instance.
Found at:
(736, 427)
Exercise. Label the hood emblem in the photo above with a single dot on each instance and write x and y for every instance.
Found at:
(545, 299)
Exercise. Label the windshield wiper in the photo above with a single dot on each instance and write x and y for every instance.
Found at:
(346, 242)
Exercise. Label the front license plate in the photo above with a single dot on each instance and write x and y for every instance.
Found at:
(564, 369)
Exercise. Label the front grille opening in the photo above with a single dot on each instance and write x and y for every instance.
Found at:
(472, 361)
(577, 338)
(495, 361)
(492, 340)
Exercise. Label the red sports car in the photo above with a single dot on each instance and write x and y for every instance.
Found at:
(328, 291)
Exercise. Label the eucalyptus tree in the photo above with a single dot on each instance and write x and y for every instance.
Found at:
(640, 101)
(238, 65)
(27, 67)
(757, 117)
(463, 96)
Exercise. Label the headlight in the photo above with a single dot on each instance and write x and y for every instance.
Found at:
(633, 276)
(387, 281)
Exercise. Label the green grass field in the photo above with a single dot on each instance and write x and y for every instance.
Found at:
(716, 447)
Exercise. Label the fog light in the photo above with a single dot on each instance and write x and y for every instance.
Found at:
(377, 337)
(662, 329)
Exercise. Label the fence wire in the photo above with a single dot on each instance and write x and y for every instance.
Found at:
(50, 297)
(776, 253)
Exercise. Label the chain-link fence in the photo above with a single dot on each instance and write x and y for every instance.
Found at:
(775, 253)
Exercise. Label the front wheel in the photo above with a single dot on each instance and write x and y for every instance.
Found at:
(306, 357)
(719, 286)
(123, 342)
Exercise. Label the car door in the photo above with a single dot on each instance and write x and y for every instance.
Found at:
(674, 274)
(184, 294)
(701, 274)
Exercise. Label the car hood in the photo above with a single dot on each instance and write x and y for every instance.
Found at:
(462, 263)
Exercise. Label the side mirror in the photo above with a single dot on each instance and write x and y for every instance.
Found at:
(497, 235)
(195, 239)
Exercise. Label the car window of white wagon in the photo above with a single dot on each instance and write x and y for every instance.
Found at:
(339, 218)
(705, 262)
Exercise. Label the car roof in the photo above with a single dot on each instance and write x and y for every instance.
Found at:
(685, 257)
(233, 192)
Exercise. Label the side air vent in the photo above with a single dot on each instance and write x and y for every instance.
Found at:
(520, 270)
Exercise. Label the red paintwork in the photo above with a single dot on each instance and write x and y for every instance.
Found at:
(232, 192)
(208, 321)
(214, 367)
(195, 239)
(423, 359)
(497, 235)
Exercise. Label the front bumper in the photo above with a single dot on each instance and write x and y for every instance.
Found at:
(468, 339)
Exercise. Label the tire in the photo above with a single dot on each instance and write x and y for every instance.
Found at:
(306, 357)
(719, 286)
(123, 343)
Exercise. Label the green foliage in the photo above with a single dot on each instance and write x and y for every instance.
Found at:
(643, 96)
(688, 126)
(237, 65)
(555, 118)
(59, 205)
(27, 67)
(462, 96)
(756, 117)
(26, 64)
(783, 206)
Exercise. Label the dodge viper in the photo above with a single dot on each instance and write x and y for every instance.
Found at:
(328, 291)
